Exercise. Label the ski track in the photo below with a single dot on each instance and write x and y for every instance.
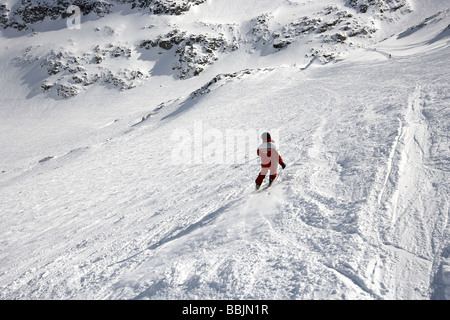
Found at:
(298, 199)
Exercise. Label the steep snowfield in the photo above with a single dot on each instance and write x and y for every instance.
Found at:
(147, 193)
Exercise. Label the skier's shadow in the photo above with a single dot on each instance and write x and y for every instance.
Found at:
(183, 232)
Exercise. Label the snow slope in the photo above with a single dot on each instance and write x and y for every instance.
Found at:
(147, 193)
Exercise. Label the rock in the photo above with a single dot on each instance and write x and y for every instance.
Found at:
(67, 90)
(166, 44)
(380, 7)
(194, 53)
(46, 85)
(281, 44)
(28, 12)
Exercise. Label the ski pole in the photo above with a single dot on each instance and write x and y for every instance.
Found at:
(248, 161)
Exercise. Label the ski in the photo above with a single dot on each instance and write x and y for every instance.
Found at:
(265, 186)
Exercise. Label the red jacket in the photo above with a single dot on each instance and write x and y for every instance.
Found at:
(269, 154)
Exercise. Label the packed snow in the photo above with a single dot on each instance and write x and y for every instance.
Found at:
(128, 151)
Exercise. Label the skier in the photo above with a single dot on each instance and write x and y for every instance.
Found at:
(270, 159)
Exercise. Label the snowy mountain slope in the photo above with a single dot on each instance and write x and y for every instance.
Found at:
(146, 193)
(121, 55)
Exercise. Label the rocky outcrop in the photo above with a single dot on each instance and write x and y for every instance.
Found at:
(194, 53)
(68, 74)
(331, 25)
(164, 6)
(327, 33)
(31, 11)
(380, 6)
